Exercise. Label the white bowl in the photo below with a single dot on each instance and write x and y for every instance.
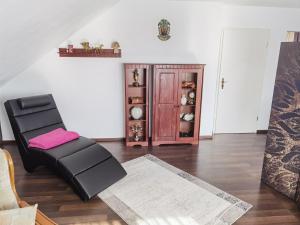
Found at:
(188, 117)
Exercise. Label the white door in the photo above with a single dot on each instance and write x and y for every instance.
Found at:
(242, 68)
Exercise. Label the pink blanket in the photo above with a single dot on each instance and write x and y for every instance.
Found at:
(52, 139)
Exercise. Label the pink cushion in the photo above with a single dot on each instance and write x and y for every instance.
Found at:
(52, 139)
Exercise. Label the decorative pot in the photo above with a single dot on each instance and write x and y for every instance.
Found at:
(192, 94)
(188, 84)
(183, 100)
(70, 48)
(137, 100)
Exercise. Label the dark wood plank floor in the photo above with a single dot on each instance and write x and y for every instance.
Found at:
(230, 162)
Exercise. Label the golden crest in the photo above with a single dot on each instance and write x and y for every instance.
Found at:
(164, 28)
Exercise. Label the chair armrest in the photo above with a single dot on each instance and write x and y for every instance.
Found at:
(41, 218)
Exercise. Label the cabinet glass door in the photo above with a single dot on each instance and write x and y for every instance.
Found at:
(187, 94)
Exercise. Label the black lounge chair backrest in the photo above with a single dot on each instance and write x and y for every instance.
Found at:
(32, 116)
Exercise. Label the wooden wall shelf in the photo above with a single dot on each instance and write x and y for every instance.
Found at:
(80, 52)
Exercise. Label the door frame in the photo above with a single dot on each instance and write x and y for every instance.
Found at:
(218, 83)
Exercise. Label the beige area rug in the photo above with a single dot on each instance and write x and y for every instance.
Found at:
(156, 193)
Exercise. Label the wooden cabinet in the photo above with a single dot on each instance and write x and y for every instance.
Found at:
(177, 94)
(137, 104)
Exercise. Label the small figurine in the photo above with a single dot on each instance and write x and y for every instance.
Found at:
(188, 84)
(136, 129)
(183, 100)
(116, 47)
(86, 45)
(191, 101)
(136, 78)
(136, 100)
(98, 47)
(191, 98)
(70, 48)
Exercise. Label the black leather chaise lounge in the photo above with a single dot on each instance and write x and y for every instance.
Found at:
(87, 166)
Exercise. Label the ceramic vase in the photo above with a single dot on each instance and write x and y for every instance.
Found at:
(183, 100)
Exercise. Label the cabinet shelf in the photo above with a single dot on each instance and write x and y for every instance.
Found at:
(192, 121)
(137, 104)
(191, 88)
(188, 105)
(186, 135)
(131, 139)
(131, 86)
(132, 120)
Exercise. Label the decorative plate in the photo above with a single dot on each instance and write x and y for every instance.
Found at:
(136, 113)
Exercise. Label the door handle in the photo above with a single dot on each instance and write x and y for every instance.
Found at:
(223, 83)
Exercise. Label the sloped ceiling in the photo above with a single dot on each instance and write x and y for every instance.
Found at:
(270, 3)
(31, 28)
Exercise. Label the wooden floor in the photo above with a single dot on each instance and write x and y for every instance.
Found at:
(230, 162)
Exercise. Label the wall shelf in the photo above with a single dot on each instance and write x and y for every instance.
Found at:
(80, 52)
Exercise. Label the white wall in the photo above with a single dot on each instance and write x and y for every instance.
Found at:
(89, 91)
